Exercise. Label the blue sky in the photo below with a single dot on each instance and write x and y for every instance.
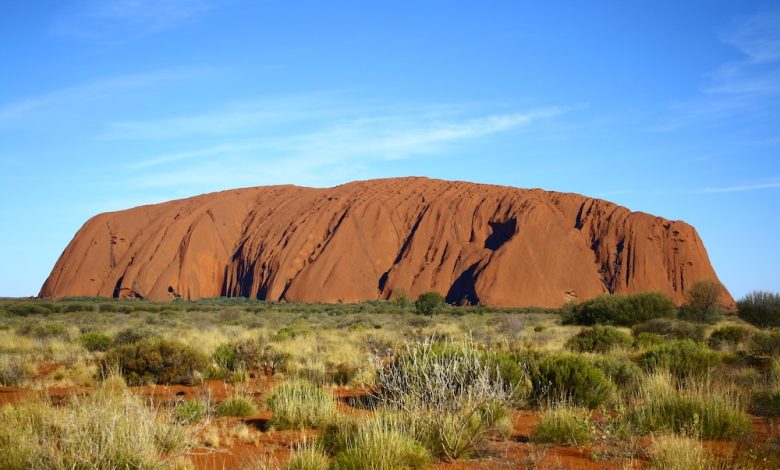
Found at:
(667, 107)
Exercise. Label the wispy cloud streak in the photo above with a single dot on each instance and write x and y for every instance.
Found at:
(123, 20)
(85, 93)
(741, 188)
(740, 89)
(299, 139)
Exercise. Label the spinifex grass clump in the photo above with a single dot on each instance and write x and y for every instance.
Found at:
(237, 406)
(449, 394)
(300, 404)
(385, 441)
(696, 410)
(191, 411)
(307, 458)
(678, 453)
(563, 425)
(107, 429)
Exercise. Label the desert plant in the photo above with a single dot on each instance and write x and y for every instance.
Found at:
(155, 361)
(699, 411)
(300, 404)
(429, 303)
(237, 406)
(764, 346)
(134, 335)
(761, 309)
(308, 458)
(567, 378)
(766, 402)
(621, 310)
(43, 330)
(563, 425)
(94, 341)
(621, 371)
(728, 336)
(448, 392)
(703, 302)
(599, 339)
(671, 329)
(192, 411)
(683, 359)
(678, 453)
(383, 442)
(14, 370)
(103, 430)
(70, 307)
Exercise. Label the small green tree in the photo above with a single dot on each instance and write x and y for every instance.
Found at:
(428, 303)
(703, 302)
(761, 309)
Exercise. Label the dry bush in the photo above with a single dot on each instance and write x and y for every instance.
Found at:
(449, 393)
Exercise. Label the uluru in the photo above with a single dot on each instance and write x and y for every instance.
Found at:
(474, 243)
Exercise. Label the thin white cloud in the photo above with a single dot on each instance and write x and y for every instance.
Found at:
(122, 20)
(35, 106)
(303, 151)
(741, 89)
(741, 188)
(379, 137)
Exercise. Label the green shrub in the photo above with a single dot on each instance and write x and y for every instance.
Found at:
(761, 309)
(156, 361)
(672, 329)
(766, 403)
(569, 379)
(508, 369)
(683, 359)
(621, 310)
(115, 307)
(622, 372)
(94, 341)
(290, 332)
(192, 411)
(646, 340)
(134, 335)
(237, 406)
(43, 330)
(729, 336)
(599, 339)
(563, 426)
(70, 307)
(30, 308)
(300, 405)
(703, 302)
(765, 345)
(429, 303)
(225, 356)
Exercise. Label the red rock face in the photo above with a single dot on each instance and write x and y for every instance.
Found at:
(492, 245)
